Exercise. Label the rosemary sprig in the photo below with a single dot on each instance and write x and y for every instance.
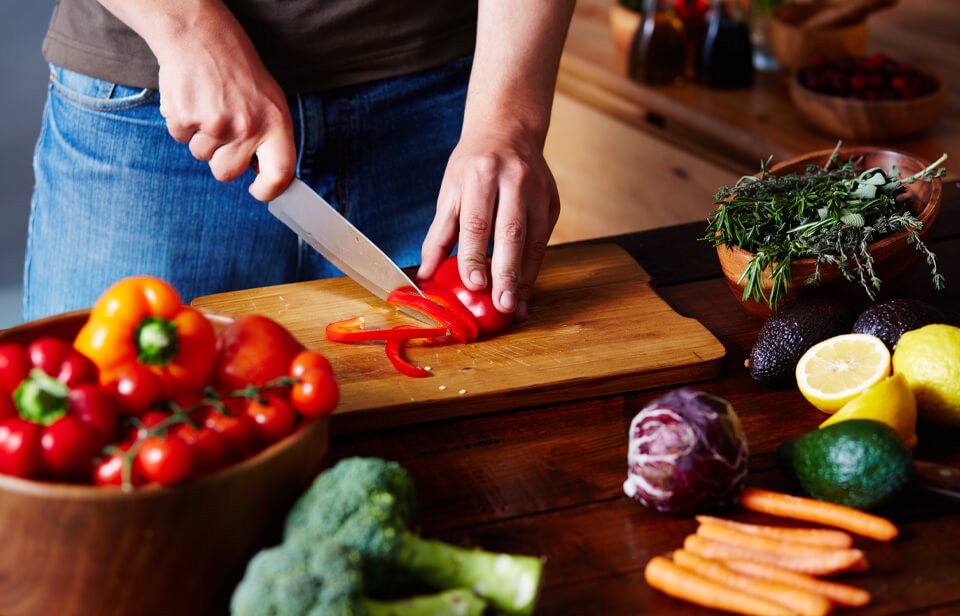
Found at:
(831, 213)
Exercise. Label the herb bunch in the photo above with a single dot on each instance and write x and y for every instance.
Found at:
(830, 213)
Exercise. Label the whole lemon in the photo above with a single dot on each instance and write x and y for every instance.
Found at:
(929, 358)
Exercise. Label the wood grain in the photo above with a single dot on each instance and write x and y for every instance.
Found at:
(597, 327)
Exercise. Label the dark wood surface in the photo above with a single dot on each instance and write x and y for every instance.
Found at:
(548, 480)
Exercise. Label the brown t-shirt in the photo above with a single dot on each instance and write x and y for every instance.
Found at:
(308, 45)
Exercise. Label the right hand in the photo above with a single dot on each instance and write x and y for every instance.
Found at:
(216, 95)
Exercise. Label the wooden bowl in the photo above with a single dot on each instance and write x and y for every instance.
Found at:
(860, 120)
(83, 550)
(794, 46)
(894, 258)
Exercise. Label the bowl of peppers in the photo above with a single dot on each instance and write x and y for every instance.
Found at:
(147, 450)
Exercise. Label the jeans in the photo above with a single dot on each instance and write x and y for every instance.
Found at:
(116, 196)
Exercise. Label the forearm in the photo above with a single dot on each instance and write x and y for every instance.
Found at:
(519, 43)
(167, 25)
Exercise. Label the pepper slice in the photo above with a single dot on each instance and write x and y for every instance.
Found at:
(394, 349)
(351, 330)
(409, 298)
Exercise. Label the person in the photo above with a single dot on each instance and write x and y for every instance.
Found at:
(423, 123)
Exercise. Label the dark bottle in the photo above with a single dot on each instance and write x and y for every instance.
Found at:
(693, 14)
(727, 55)
(658, 52)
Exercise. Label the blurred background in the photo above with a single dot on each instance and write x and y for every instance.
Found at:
(22, 25)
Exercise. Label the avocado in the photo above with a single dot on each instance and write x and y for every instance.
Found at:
(860, 463)
(889, 319)
(787, 334)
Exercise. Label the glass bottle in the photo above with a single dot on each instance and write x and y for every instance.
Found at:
(693, 14)
(658, 52)
(727, 55)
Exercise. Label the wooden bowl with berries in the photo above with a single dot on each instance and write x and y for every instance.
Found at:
(867, 98)
(76, 544)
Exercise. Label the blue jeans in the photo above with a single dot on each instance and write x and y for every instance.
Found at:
(116, 196)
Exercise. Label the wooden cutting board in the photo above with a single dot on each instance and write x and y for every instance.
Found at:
(596, 327)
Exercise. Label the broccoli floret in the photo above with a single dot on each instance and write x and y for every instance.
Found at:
(367, 503)
(324, 579)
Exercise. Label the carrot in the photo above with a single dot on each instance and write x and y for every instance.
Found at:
(841, 594)
(822, 512)
(826, 563)
(669, 578)
(758, 542)
(803, 602)
(827, 537)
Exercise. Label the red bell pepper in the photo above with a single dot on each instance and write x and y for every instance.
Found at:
(55, 419)
(351, 330)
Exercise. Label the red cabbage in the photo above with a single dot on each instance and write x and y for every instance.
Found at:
(687, 454)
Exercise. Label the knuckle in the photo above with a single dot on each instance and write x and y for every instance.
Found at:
(487, 165)
(512, 230)
(475, 225)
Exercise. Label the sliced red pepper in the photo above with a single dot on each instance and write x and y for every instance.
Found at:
(409, 298)
(394, 349)
(449, 300)
(351, 330)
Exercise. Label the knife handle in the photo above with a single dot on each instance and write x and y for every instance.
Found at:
(938, 479)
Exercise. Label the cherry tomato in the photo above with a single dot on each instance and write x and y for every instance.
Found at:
(209, 447)
(20, 451)
(272, 417)
(315, 394)
(134, 387)
(70, 447)
(146, 421)
(253, 350)
(166, 460)
(479, 303)
(237, 429)
(108, 471)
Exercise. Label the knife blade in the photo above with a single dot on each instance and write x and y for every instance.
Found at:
(319, 224)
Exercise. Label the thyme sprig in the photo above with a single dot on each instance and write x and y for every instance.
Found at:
(832, 213)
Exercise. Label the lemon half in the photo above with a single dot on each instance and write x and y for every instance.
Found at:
(890, 401)
(836, 370)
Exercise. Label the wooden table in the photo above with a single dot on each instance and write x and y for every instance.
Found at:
(548, 480)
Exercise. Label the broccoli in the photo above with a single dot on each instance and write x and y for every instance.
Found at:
(367, 503)
(325, 579)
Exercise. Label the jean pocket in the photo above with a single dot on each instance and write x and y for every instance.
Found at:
(96, 94)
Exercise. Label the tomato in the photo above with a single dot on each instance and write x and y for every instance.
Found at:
(108, 471)
(134, 387)
(166, 460)
(479, 303)
(20, 451)
(91, 405)
(70, 447)
(272, 417)
(236, 428)
(315, 394)
(146, 421)
(253, 350)
(209, 447)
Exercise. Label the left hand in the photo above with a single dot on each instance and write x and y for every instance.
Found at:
(498, 182)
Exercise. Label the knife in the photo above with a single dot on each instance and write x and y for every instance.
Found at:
(319, 224)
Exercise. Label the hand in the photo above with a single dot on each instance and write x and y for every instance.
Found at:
(216, 95)
(495, 182)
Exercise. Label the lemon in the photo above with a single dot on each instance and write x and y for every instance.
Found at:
(929, 359)
(836, 370)
(890, 401)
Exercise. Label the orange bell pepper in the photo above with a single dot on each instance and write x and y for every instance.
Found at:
(142, 320)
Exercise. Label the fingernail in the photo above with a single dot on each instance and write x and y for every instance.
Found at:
(477, 278)
(507, 300)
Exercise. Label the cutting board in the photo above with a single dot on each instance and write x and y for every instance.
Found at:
(596, 327)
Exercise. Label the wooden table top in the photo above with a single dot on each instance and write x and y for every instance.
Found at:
(750, 125)
(548, 480)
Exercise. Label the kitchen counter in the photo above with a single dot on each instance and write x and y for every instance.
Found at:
(617, 146)
(548, 480)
